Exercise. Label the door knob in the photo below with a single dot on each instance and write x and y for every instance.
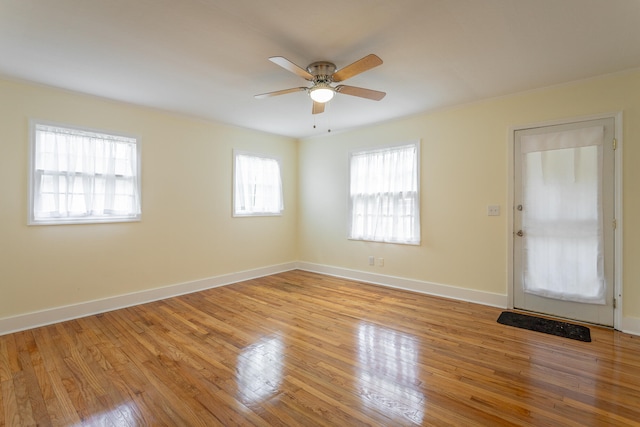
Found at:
(520, 233)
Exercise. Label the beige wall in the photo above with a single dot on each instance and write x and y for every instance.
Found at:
(186, 233)
(465, 161)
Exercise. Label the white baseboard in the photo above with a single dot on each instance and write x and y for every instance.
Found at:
(437, 289)
(59, 314)
(630, 325)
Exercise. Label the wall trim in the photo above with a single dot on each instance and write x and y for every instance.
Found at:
(60, 314)
(630, 325)
(430, 288)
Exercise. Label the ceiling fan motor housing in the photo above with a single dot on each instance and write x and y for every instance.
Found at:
(321, 71)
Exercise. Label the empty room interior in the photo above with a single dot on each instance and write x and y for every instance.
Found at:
(189, 235)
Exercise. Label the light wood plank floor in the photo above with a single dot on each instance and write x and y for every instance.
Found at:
(301, 349)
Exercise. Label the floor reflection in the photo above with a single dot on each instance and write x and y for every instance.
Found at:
(124, 414)
(259, 369)
(388, 377)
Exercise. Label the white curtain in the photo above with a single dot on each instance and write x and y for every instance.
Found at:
(80, 174)
(258, 185)
(384, 194)
(562, 215)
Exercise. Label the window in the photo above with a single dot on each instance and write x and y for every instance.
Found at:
(384, 194)
(257, 185)
(81, 176)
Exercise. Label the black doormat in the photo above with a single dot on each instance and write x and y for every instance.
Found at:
(548, 326)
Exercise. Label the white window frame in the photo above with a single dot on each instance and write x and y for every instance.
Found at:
(415, 239)
(33, 219)
(236, 211)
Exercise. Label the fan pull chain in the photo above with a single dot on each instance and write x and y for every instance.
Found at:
(328, 119)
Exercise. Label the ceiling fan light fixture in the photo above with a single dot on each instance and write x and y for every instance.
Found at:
(321, 92)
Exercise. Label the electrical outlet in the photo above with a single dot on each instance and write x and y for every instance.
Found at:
(493, 210)
(372, 260)
(380, 262)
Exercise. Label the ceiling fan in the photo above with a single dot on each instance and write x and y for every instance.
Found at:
(322, 74)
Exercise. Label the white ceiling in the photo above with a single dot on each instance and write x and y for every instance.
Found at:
(207, 58)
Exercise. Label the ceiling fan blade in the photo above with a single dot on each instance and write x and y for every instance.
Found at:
(361, 92)
(290, 66)
(318, 108)
(360, 66)
(280, 92)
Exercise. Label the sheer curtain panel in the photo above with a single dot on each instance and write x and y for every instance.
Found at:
(83, 176)
(257, 186)
(384, 194)
(562, 217)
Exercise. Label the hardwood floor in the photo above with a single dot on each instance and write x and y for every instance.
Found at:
(301, 349)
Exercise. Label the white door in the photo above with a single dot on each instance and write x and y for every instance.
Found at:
(564, 220)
